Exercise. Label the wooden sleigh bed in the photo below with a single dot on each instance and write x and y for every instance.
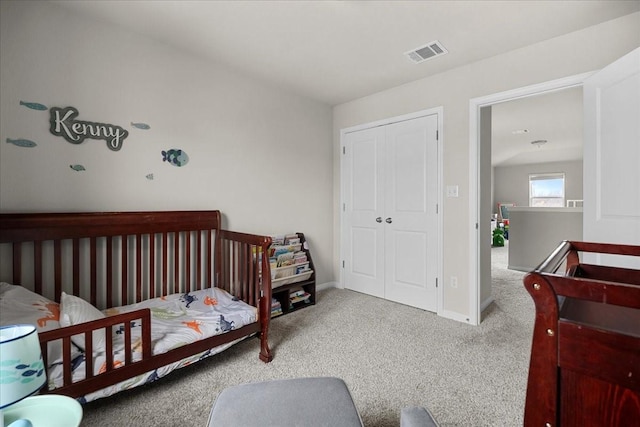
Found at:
(122, 258)
(585, 356)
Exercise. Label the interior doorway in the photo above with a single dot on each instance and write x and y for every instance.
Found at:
(537, 150)
(481, 181)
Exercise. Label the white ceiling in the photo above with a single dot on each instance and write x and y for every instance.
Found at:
(555, 117)
(338, 51)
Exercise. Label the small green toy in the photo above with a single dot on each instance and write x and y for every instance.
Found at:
(498, 237)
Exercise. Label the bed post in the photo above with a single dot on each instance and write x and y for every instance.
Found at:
(265, 302)
(242, 260)
(542, 392)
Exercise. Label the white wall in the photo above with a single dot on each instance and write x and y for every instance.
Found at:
(511, 183)
(260, 155)
(545, 61)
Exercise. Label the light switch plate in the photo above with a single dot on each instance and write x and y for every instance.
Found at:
(452, 191)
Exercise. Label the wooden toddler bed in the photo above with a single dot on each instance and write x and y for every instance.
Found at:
(122, 258)
(585, 355)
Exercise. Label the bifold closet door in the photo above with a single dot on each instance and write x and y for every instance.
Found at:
(390, 211)
(364, 210)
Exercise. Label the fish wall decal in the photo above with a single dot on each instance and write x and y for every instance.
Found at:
(77, 168)
(22, 143)
(175, 157)
(141, 125)
(34, 105)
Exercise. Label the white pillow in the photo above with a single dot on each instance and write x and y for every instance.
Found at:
(20, 305)
(74, 310)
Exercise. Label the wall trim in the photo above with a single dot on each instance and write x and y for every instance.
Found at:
(475, 105)
(486, 303)
(452, 315)
(328, 285)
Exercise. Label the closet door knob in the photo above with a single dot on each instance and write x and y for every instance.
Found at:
(379, 219)
(388, 221)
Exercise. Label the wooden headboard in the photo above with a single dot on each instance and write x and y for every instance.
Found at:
(118, 258)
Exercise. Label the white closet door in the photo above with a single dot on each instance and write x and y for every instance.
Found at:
(389, 214)
(410, 207)
(364, 240)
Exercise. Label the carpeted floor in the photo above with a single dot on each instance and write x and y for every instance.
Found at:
(390, 356)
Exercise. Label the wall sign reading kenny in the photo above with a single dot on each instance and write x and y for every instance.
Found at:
(63, 123)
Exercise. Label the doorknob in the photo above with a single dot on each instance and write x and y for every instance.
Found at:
(379, 219)
(388, 220)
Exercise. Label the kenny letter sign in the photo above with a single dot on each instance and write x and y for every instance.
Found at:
(63, 123)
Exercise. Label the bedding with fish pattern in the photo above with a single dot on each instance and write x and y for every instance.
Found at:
(176, 320)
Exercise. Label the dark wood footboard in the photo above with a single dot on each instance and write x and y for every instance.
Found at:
(585, 355)
(246, 273)
(118, 258)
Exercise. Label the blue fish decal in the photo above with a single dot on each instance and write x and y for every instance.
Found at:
(175, 157)
(22, 142)
(77, 168)
(34, 105)
(141, 125)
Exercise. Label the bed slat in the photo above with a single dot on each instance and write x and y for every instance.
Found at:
(176, 262)
(152, 265)
(165, 283)
(37, 265)
(138, 251)
(109, 272)
(93, 270)
(57, 262)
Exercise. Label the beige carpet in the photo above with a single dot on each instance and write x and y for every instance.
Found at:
(390, 356)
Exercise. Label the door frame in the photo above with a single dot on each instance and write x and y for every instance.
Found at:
(475, 105)
(439, 112)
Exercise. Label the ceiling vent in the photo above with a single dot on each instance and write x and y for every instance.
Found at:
(428, 51)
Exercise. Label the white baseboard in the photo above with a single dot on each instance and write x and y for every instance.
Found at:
(518, 268)
(456, 316)
(444, 313)
(327, 285)
(486, 303)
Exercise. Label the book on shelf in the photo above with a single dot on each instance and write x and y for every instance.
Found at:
(291, 239)
(284, 259)
(276, 307)
(297, 295)
(296, 292)
(299, 257)
(302, 298)
(302, 268)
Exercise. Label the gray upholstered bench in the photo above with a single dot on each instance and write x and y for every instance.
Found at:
(307, 402)
(416, 416)
(300, 402)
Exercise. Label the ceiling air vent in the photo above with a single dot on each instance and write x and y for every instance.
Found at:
(428, 51)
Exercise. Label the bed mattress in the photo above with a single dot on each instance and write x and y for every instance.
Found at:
(176, 320)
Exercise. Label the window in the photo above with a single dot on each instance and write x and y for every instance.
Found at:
(546, 190)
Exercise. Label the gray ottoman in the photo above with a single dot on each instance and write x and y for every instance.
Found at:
(304, 402)
(416, 416)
